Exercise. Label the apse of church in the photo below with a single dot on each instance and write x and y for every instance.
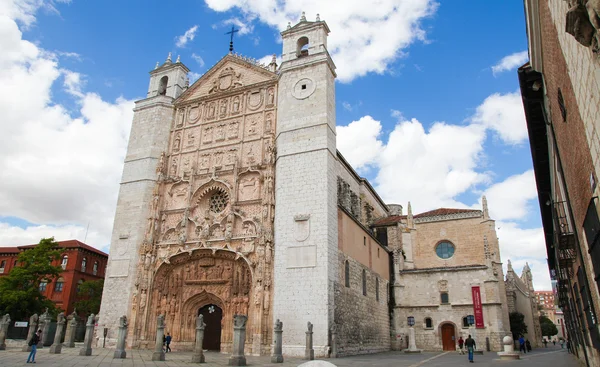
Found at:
(209, 237)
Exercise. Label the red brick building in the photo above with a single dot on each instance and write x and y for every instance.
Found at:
(80, 263)
(545, 299)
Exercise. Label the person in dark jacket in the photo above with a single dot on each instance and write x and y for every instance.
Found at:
(461, 343)
(168, 343)
(470, 344)
(528, 345)
(35, 339)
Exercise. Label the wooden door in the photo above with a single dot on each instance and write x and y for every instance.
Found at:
(448, 342)
(212, 332)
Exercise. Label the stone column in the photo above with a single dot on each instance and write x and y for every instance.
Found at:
(71, 329)
(198, 356)
(277, 356)
(159, 353)
(89, 335)
(412, 343)
(120, 352)
(333, 341)
(4, 322)
(45, 320)
(33, 323)
(56, 346)
(239, 339)
(309, 353)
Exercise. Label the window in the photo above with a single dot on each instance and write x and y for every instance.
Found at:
(302, 47)
(43, 286)
(378, 252)
(428, 323)
(218, 201)
(377, 289)
(465, 322)
(79, 283)
(364, 241)
(347, 273)
(444, 298)
(15, 263)
(58, 287)
(83, 264)
(588, 309)
(591, 227)
(364, 282)
(95, 268)
(65, 260)
(444, 250)
(2, 266)
(162, 87)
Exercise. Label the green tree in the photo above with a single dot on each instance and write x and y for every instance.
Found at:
(548, 327)
(517, 324)
(20, 294)
(90, 294)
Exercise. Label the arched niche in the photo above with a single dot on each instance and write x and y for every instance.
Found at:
(302, 46)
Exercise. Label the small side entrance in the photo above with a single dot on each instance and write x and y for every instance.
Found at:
(448, 336)
(212, 333)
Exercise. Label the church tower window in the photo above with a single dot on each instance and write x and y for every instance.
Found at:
(364, 282)
(347, 273)
(162, 87)
(302, 49)
(444, 250)
(218, 202)
(444, 298)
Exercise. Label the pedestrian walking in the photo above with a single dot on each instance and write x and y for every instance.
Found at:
(470, 344)
(568, 345)
(545, 343)
(562, 344)
(528, 345)
(461, 343)
(522, 345)
(554, 342)
(168, 342)
(35, 339)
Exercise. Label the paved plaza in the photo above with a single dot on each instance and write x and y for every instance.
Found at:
(551, 356)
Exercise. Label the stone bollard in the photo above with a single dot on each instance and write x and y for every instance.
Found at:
(159, 353)
(4, 323)
(239, 339)
(334, 341)
(509, 349)
(71, 329)
(33, 323)
(309, 353)
(277, 356)
(198, 356)
(56, 346)
(45, 320)
(89, 335)
(120, 352)
(412, 347)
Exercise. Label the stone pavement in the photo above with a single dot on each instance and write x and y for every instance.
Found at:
(550, 356)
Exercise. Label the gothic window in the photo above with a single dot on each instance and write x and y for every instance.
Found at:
(58, 287)
(444, 250)
(444, 298)
(465, 322)
(347, 273)
(43, 286)
(364, 282)
(218, 202)
(95, 268)
(377, 289)
(302, 49)
(428, 323)
(162, 87)
(65, 260)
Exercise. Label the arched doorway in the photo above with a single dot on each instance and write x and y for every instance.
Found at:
(212, 332)
(448, 336)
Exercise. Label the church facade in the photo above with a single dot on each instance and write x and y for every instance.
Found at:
(235, 200)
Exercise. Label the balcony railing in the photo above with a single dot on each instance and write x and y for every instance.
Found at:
(564, 235)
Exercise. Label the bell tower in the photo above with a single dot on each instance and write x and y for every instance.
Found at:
(152, 121)
(306, 223)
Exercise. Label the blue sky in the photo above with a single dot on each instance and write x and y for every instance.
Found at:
(426, 90)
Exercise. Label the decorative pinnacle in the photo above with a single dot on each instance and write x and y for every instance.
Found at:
(274, 59)
(156, 67)
(318, 17)
(289, 25)
(178, 59)
(169, 58)
(303, 17)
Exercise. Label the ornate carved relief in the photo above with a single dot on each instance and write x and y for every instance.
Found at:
(194, 114)
(207, 135)
(211, 110)
(254, 125)
(236, 105)
(177, 142)
(255, 99)
(270, 97)
(249, 187)
(233, 130)
(251, 154)
(180, 118)
(223, 108)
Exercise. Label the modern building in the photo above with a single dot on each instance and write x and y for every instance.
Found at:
(80, 263)
(560, 88)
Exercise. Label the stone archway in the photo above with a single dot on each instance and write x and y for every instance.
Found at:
(196, 279)
(213, 318)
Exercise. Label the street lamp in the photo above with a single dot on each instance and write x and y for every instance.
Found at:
(411, 321)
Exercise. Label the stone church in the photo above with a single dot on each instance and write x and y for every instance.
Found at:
(235, 200)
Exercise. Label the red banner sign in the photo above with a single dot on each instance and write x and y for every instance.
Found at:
(477, 308)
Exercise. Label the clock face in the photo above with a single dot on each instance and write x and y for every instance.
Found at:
(303, 88)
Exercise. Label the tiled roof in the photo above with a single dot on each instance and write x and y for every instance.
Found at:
(393, 219)
(9, 250)
(73, 244)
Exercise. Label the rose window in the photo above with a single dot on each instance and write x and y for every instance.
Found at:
(218, 202)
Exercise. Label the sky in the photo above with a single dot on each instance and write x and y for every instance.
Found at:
(427, 103)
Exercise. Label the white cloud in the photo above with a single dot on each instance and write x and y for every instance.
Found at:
(266, 60)
(364, 38)
(359, 143)
(510, 62)
(244, 27)
(189, 35)
(193, 77)
(59, 167)
(511, 198)
(504, 114)
(198, 59)
(347, 106)
(539, 272)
